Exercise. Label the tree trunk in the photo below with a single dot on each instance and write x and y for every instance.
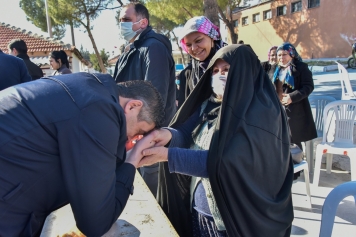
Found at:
(230, 26)
(72, 32)
(231, 33)
(180, 49)
(100, 60)
(209, 7)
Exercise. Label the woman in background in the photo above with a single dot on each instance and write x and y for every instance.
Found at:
(59, 62)
(297, 84)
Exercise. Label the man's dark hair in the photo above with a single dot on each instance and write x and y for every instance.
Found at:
(140, 9)
(152, 110)
(241, 42)
(19, 45)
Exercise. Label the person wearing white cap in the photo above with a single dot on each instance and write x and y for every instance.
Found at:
(201, 39)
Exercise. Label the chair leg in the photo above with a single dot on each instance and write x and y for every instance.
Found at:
(307, 184)
(353, 166)
(329, 162)
(308, 154)
(318, 156)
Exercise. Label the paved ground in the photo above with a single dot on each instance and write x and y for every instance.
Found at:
(307, 221)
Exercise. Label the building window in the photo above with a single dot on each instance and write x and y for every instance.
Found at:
(313, 3)
(282, 10)
(256, 17)
(236, 23)
(296, 6)
(245, 21)
(267, 14)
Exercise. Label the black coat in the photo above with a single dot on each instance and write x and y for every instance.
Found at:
(34, 70)
(249, 163)
(13, 71)
(269, 69)
(301, 120)
(150, 58)
(62, 140)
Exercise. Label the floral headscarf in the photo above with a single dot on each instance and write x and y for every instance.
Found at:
(291, 50)
(289, 79)
(200, 24)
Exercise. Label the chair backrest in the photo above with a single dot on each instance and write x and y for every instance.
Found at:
(319, 102)
(346, 88)
(331, 204)
(345, 113)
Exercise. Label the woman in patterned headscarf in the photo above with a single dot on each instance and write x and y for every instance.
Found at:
(296, 83)
(201, 39)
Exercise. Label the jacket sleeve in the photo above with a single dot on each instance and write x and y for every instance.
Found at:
(25, 75)
(306, 84)
(157, 68)
(96, 185)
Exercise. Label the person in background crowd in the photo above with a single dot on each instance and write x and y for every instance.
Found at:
(217, 137)
(13, 71)
(297, 85)
(59, 62)
(148, 56)
(270, 65)
(60, 146)
(18, 48)
(201, 39)
(241, 42)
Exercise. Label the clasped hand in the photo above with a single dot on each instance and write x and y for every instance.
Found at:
(150, 149)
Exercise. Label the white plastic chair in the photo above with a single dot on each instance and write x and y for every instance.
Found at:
(318, 103)
(304, 166)
(346, 88)
(344, 113)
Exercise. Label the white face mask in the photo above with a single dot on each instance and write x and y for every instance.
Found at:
(218, 83)
(126, 30)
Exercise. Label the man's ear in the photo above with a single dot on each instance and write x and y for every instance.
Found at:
(144, 23)
(133, 105)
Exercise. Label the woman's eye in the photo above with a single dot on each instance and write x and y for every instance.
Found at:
(198, 41)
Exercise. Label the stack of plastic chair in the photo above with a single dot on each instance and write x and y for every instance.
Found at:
(344, 113)
(331, 204)
(319, 103)
(304, 166)
(346, 88)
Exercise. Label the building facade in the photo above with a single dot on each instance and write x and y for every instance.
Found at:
(317, 28)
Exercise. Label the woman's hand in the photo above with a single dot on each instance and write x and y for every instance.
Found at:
(286, 100)
(161, 136)
(135, 154)
(154, 155)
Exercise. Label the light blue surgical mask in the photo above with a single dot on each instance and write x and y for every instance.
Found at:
(126, 30)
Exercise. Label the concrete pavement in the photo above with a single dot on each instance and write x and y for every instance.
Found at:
(307, 221)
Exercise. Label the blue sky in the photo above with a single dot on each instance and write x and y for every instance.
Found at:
(105, 32)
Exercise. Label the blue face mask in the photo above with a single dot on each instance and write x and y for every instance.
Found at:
(126, 30)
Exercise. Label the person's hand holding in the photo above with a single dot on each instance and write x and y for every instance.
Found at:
(135, 154)
(286, 100)
(153, 155)
(161, 136)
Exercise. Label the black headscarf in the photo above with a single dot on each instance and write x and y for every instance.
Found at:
(249, 164)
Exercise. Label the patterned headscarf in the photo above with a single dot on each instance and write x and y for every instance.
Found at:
(289, 79)
(291, 50)
(269, 51)
(199, 24)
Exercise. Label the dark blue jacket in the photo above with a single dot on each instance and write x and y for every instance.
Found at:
(13, 71)
(62, 140)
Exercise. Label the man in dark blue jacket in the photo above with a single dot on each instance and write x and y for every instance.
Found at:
(62, 140)
(13, 71)
(148, 56)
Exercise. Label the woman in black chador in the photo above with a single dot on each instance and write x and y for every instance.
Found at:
(232, 133)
